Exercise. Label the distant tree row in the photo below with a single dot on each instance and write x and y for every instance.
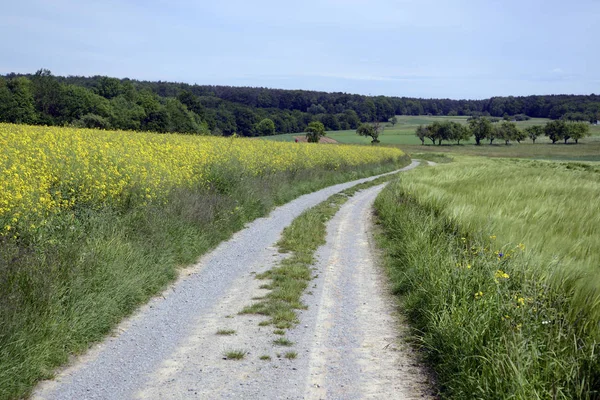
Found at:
(483, 128)
(380, 108)
(111, 103)
(104, 102)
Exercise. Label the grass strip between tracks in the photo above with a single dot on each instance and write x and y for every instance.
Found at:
(289, 280)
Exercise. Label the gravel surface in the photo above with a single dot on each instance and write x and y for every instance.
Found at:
(347, 342)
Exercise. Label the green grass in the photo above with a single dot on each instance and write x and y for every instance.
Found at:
(289, 280)
(496, 265)
(439, 158)
(403, 133)
(64, 291)
(548, 206)
(588, 149)
(226, 332)
(283, 342)
(265, 358)
(235, 354)
(291, 355)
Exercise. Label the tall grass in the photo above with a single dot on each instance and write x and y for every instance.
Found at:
(500, 286)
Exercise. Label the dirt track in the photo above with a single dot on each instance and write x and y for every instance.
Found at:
(347, 343)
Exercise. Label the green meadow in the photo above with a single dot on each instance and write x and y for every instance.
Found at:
(403, 133)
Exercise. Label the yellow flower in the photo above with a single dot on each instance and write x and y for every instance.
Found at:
(48, 170)
(478, 295)
(499, 274)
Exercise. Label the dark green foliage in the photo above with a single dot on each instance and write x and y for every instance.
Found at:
(314, 132)
(265, 127)
(16, 101)
(578, 130)
(556, 130)
(481, 128)
(446, 130)
(92, 121)
(422, 132)
(371, 130)
(229, 110)
(508, 131)
(533, 132)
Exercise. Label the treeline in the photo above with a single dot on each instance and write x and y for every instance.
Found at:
(103, 102)
(482, 128)
(111, 103)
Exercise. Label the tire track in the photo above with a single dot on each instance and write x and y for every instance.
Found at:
(169, 348)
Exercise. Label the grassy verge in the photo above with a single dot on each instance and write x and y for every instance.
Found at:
(435, 157)
(68, 287)
(491, 315)
(289, 280)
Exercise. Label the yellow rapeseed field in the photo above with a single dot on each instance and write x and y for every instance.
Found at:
(44, 170)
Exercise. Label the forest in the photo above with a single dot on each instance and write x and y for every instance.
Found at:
(111, 103)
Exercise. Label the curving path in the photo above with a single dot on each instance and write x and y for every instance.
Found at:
(347, 342)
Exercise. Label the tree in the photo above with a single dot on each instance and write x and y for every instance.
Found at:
(461, 132)
(92, 121)
(394, 120)
(192, 103)
(315, 131)
(579, 130)
(433, 131)
(109, 87)
(494, 133)
(556, 130)
(265, 127)
(480, 128)
(352, 118)
(245, 118)
(508, 131)
(371, 130)
(520, 135)
(315, 109)
(422, 132)
(19, 108)
(125, 114)
(533, 132)
(48, 95)
(183, 120)
(445, 131)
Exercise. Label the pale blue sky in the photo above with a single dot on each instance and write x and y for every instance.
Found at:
(426, 48)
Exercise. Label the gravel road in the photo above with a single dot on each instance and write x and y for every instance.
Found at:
(348, 343)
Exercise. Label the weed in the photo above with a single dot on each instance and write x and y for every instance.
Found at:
(265, 357)
(282, 342)
(235, 354)
(290, 279)
(290, 355)
(225, 332)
